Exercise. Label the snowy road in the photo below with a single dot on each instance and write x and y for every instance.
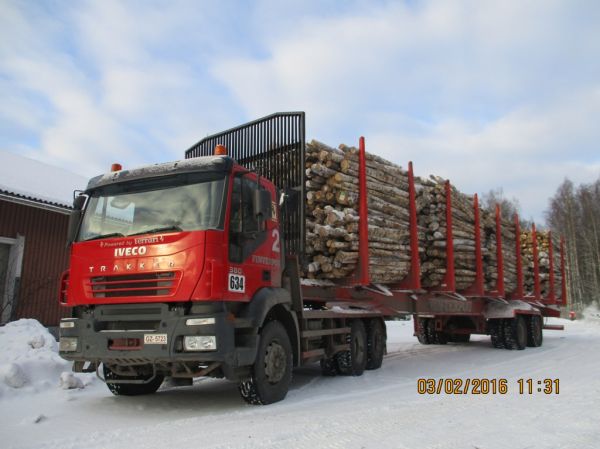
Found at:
(380, 409)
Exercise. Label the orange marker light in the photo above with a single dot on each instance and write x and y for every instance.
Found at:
(220, 150)
(116, 167)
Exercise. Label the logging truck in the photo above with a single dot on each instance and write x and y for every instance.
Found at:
(200, 268)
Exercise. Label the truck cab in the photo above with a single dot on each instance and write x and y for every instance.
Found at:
(165, 260)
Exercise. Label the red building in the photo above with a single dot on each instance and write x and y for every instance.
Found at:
(35, 203)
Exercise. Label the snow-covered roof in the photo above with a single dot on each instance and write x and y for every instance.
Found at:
(29, 179)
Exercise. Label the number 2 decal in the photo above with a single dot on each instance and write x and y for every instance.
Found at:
(275, 235)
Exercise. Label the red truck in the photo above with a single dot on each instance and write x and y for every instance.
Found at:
(192, 268)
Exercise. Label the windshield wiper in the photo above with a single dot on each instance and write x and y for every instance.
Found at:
(104, 236)
(159, 229)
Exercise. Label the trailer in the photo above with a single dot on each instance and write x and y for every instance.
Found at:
(193, 268)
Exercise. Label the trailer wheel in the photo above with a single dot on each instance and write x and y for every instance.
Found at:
(515, 333)
(496, 329)
(422, 334)
(431, 333)
(375, 344)
(535, 336)
(272, 372)
(329, 367)
(354, 361)
(126, 389)
(441, 338)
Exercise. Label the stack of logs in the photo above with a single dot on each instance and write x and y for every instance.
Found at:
(543, 247)
(431, 207)
(527, 261)
(332, 223)
(332, 218)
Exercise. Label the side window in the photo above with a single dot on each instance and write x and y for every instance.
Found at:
(245, 231)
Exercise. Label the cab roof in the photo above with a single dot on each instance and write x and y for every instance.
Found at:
(194, 165)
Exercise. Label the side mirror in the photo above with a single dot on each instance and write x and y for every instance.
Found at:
(75, 217)
(262, 204)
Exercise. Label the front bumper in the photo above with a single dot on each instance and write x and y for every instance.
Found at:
(133, 334)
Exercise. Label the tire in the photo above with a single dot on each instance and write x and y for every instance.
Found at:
(441, 338)
(535, 334)
(431, 333)
(422, 335)
(354, 361)
(376, 344)
(271, 373)
(126, 389)
(496, 329)
(329, 367)
(515, 333)
(460, 338)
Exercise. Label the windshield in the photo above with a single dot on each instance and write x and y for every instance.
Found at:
(187, 202)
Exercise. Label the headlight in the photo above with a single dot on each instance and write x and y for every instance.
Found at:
(67, 344)
(200, 343)
(67, 324)
(199, 321)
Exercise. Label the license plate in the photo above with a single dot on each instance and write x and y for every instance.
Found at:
(155, 339)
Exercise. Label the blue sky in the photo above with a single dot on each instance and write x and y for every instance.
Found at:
(488, 94)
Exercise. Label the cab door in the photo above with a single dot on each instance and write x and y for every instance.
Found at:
(254, 240)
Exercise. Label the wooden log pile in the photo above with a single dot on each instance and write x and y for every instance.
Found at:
(509, 254)
(332, 219)
(490, 246)
(543, 247)
(431, 207)
(526, 242)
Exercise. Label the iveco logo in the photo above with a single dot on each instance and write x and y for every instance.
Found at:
(131, 251)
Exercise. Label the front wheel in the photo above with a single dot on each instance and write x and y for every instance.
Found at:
(272, 372)
(132, 389)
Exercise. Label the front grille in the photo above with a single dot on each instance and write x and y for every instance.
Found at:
(143, 284)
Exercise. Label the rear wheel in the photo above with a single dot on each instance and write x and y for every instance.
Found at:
(431, 333)
(422, 334)
(496, 329)
(132, 389)
(329, 367)
(272, 372)
(515, 333)
(535, 336)
(375, 344)
(354, 361)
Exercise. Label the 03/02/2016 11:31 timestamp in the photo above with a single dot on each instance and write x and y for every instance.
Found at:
(486, 386)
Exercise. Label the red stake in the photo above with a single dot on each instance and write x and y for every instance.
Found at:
(363, 211)
(536, 266)
(413, 281)
(449, 280)
(499, 254)
(551, 295)
(519, 292)
(478, 286)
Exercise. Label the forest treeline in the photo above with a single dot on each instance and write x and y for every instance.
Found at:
(574, 212)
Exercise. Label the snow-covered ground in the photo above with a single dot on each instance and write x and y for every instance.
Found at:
(381, 409)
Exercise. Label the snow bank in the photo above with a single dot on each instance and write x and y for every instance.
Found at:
(29, 360)
(591, 314)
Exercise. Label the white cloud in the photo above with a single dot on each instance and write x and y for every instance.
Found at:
(488, 94)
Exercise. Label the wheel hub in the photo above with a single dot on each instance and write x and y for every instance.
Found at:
(275, 362)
